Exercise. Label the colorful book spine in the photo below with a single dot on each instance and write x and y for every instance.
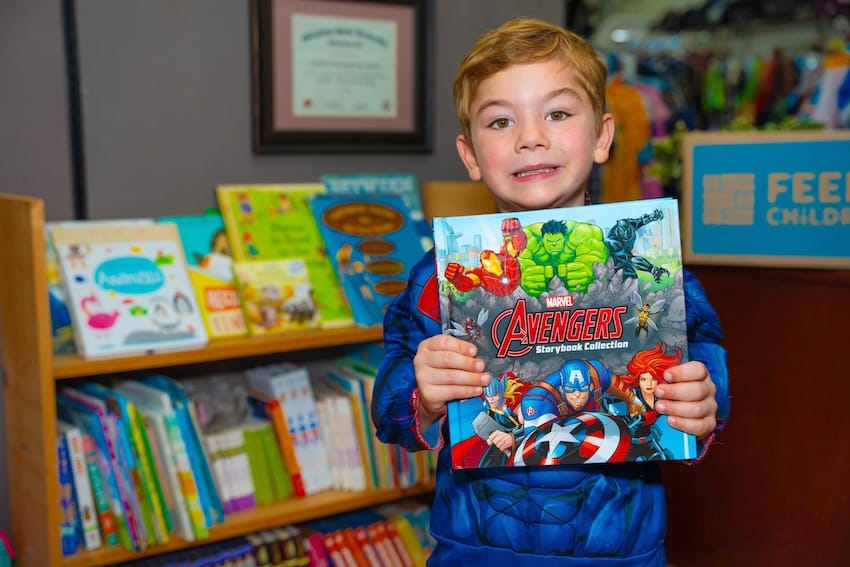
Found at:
(210, 502)
(258, 465)
(188, 486)
(149, 478)
(264, 405)
(82, 486)
(105, 518)
(121, 485)
(68, 526)
(280, 479)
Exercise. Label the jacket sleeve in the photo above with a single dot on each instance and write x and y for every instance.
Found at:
(704, 337)
(412, 317)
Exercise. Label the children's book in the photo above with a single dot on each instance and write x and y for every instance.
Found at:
(209, 499)
(276, 295)
(72, 404)
(274, 222)
(105, 517)
(404, 184)
(373, 243)
(128, 288)
(290, 384)
(83, 495)
(576, 312)
(134, 447)
(61, 328)
(210, 262)
(265, 406)
(185, 505)
(68, 528)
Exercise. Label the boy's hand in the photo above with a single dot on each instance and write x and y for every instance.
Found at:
(446, 369)
(687, 398)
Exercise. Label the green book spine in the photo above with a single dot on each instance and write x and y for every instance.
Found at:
(281, 482)
(263, 494)
(161, 513)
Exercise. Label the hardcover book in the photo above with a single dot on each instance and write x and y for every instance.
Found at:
(403, 184)
(576, 312)
(210, 262)
(373, 242)
(128, 288)
(274, 222)
(276, 295)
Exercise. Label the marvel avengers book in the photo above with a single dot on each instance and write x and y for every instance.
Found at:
(576, 312)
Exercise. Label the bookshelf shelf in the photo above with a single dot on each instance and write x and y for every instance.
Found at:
(31, 374)
(289, 512)
(75, 366)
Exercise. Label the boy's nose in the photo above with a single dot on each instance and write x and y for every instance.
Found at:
(532, 136)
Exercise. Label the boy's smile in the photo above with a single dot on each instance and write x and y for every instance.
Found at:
(534, 137)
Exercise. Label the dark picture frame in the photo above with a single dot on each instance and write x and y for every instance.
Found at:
(340, 76)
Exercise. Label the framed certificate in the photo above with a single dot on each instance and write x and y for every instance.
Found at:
(340, 76)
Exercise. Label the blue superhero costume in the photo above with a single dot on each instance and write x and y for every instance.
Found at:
(596, 515)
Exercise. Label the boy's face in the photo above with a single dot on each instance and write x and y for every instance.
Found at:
(534, 137)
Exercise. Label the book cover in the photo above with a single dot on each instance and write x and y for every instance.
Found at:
(273, 222)
(373, 242)
(210, 261)
(400, 183)
(576, 312)
(276, 295)
(128, 288)
(61, 327)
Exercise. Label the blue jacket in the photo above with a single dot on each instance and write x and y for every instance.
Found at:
(581, 515)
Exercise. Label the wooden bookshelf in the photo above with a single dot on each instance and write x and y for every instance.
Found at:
(282, 513)
(31, 374)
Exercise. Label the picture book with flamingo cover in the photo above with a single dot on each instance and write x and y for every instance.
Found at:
(128, 288)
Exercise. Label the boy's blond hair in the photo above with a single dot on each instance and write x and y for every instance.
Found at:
(528, 40)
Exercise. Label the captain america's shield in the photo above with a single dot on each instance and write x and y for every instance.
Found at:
(585, 438)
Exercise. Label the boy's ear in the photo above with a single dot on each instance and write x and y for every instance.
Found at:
(604, 139)
(467, 156)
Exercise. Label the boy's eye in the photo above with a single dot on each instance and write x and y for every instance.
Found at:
(501, 123)
(558, 115)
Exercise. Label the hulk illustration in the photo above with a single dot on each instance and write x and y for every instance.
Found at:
(564, 249)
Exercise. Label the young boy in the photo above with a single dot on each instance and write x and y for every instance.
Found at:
(530, 98)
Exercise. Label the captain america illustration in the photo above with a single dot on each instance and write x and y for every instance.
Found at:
(578, 386)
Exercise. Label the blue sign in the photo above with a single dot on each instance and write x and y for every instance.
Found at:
(767, 199)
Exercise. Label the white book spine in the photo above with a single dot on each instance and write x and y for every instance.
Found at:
(82, 487)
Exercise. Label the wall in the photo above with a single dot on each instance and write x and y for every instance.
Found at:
(167, 115)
